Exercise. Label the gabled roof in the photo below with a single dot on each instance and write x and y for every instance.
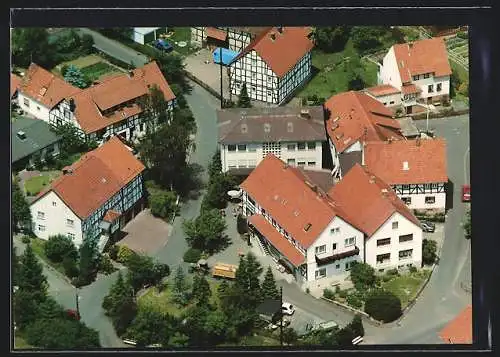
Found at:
(425, 161)
(381, 90)
(38, 136)
(251, 30)
(96, 177)
(213, 32)
(280, 50)
(90, 103)
(15, 82)
(355, 116)
(44, 87)
(367, 200)
(293, 201)
(459, 330)
(271, 124)
(420, 57)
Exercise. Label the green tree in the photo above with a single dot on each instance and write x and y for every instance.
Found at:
(154, 108)
(143, 270)
(331, 39)
(216, 196)
(206, 232)
(383, 305)
(216, 325)
(67, 42)
(355, 72)
(243, 98)
(88, 263)
(177, 340)
(201, 290)
(21, 213)
(162, 203)
(120, 304)
(289, 336)
(344, 337)
(61, 334)
(60, 246)
(75, 77)
(192, 255)
(16, 264)
(150, 326)
(429, 249)
(72, 141)
(215, 166)
(368, 38)
(467, 225)
(362, 276)
(269, 289)
(31, 278)
(173, 68)
(25, 307)
(356, 326)
(180, 290)
(247, 281)
(87, 43)
(50, 309)
(31, 44)
(195, 319)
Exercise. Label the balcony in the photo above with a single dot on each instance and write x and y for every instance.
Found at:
(323, 260)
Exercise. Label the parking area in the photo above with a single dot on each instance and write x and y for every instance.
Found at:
(146, 233)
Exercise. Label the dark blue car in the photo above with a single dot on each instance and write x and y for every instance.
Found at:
(163, 45)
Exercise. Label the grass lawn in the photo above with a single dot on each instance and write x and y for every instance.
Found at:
(258, 340)
(37, 245)
(464, 77)
(181, 34)
(35, 184)
(20, 342)
(98, 70)
(331, 79)
(406, 286)
(163, 301)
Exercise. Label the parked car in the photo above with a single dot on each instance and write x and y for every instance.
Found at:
(428, 226)
(287, 309)
(465, 193)
(163, 45)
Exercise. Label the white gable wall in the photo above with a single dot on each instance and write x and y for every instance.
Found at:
(328, 238)
(390, 100)
(33, 107)
(386, 231)
(389, 72)
(54, 222)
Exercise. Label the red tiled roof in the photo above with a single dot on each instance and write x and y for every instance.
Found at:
(459, 330)
(216, 33)
(283, 192)
(96, 177)
(381, 90)
(426, 160)
(367, 200)
(282, 53)
(15, 82)
(111, 216)
(360, 117)
(420, 57)
(410, 89)
(277, 240)
(114, 91)
(44, 87)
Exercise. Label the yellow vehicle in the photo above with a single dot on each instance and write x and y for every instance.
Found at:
(223, 270)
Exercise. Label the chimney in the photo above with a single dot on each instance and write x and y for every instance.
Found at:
(372, 179)
(67, 170)
(417, 141)
(131, 74)
(405, 166)
(280, 29)
(304, 113)
(244, 128)
(21, 135)
(384, 192)
(72, 105)
(272, 36)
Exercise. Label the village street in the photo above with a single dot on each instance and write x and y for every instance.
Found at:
(442, 299)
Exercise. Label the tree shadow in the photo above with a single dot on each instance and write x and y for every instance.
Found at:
(223, 244)
(191, 183)
(450, 189)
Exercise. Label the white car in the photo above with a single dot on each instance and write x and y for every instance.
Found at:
(287, 308)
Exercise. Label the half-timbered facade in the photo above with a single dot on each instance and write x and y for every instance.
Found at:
(95, 197)
(294, 135)
(273, 65)
(420, 70)
(415, 169)
(113, 107)
(236, 38)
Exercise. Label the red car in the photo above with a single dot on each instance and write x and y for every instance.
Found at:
(465, 193)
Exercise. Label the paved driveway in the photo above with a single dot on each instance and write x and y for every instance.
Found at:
(145, 233)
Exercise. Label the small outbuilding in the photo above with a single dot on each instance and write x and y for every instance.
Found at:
(227, 56)
(145, 35)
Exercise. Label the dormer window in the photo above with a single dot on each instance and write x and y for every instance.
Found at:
(307, 227)
(273, 37)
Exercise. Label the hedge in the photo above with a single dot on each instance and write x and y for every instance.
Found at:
(192, 255)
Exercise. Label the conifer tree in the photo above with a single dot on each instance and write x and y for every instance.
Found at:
(269, 289)
(243, 98)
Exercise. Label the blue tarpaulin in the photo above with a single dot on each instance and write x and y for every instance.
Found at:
(227, 55)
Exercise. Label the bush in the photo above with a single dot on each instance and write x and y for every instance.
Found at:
(162, 203)
(113, 251)
(328, 294)
(64, 68)
(70, 267)
(337, 289)
(463, 35)
(342, 293)
(429, 248)
(413, 269)
(192, 255)
(463, 89)
(354, 300)
(124, 254)
(241, 224)
(392, 272)
(356, 326)
(383, 305)
(105, 265)
(362, 275)
(58, 247)
(386, 278)
(26, 239)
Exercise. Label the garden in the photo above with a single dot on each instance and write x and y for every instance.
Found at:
(34, 185)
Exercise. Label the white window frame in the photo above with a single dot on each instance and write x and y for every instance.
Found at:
(70, 222)
(240, 147)
(404, 256)
(311, 145)
(251, 148)
(439, 87)
(349, 242)
(291, 147)
(54, 203)
(430, 200)
(232, 145)
(430, 88)
(320, 249)
(291, 162)
(311, 163)
(395, 225)
(41, 228)
(26, 102)
(320, 273)
(71, 236)
(40, 215)
(301, 143)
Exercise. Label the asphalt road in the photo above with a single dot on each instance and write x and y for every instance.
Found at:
(115, 48)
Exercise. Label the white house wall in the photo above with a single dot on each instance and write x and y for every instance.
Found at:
(354, 147)
(197, 36)
(328, 238)
(390, 100)
(387, 231)
(418, 199)
(312, 158)
(389, 72)
(34, 108)
(423, 84)
(56, 214)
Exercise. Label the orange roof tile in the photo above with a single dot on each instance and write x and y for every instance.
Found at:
(420, 57)
(111, 215)
(15, 82)
(44, 87)
(381, 90)
(426, 161)
(216, 33)
(96, 177)
(282, 53)
(277, 240)
(357, 116)
(459, 330)
(410, 89)
(367, 200)
(286, 194)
